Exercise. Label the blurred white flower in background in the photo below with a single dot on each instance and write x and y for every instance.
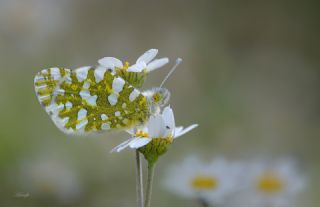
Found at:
(272, 184)
(50, 178)
(208, 182)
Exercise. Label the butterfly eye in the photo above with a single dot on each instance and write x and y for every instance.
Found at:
(157, 97)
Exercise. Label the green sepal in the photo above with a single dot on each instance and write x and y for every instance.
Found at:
(154, 149)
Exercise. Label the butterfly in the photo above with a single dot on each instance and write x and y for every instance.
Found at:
(100, 98)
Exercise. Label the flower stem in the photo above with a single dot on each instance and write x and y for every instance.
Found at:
(151, 167)
(203, 203)
(139, 180)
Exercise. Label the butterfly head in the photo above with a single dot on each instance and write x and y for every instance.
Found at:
(157, 98)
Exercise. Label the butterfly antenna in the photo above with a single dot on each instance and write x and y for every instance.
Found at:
(178, 61)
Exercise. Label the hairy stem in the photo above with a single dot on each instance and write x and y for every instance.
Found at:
(139, 180)
(151, 167)
(203, 203)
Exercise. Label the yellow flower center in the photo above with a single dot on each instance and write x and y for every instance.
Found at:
(269, 183)
(126, 65)
(204, 182)
(141, 133)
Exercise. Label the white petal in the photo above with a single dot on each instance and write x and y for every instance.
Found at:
(148, 56)
(139, 142)
(178, 130)
(156, 126)
(110, 62)
(169, 122)
(158, 63)
(122, 146)
(179, 133)
(131, 131)
(138, 67)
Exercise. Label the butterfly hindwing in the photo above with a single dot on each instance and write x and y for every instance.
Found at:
(90, 99)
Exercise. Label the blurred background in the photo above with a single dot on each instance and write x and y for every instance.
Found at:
(250, 78)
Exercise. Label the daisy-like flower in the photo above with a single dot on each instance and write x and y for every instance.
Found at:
(144, 62)
(156, 136)
(137, 72)
(272, 184)
(207, 182)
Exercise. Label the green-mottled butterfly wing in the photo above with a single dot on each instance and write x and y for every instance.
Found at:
(89, 99)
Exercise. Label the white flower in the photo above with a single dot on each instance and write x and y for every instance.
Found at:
(209, 182)
(159, 126)
(272, 184)
(145, 62)
(110, 62)
(50, 177)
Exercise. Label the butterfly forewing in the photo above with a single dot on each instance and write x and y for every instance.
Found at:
(89, 99)
(47, 81)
